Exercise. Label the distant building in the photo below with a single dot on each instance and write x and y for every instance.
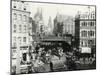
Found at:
(39, 21)
(85, 29)
(64, 24)
(49, 27)
(20, 36)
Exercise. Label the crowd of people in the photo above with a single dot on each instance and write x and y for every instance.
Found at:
(43, 54)
(42, 57)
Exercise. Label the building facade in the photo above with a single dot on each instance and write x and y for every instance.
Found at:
(64, 24)
(85, 29)
(69, 26)
(20, 32)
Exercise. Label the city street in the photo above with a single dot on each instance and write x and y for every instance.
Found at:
(41, 41)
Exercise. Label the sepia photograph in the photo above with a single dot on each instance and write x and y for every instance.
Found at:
(52, 37)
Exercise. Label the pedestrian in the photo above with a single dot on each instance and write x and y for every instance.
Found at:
(72, 65)
(51, 66)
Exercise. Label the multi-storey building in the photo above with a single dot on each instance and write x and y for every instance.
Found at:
(85, 29)
(20, 36)
(66, 23)
(69, 26)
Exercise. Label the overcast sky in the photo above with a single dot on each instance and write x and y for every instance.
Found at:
(51, 10)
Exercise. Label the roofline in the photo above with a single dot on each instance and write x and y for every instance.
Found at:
(58, 3)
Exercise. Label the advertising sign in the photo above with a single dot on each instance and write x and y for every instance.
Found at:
(86, 50)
